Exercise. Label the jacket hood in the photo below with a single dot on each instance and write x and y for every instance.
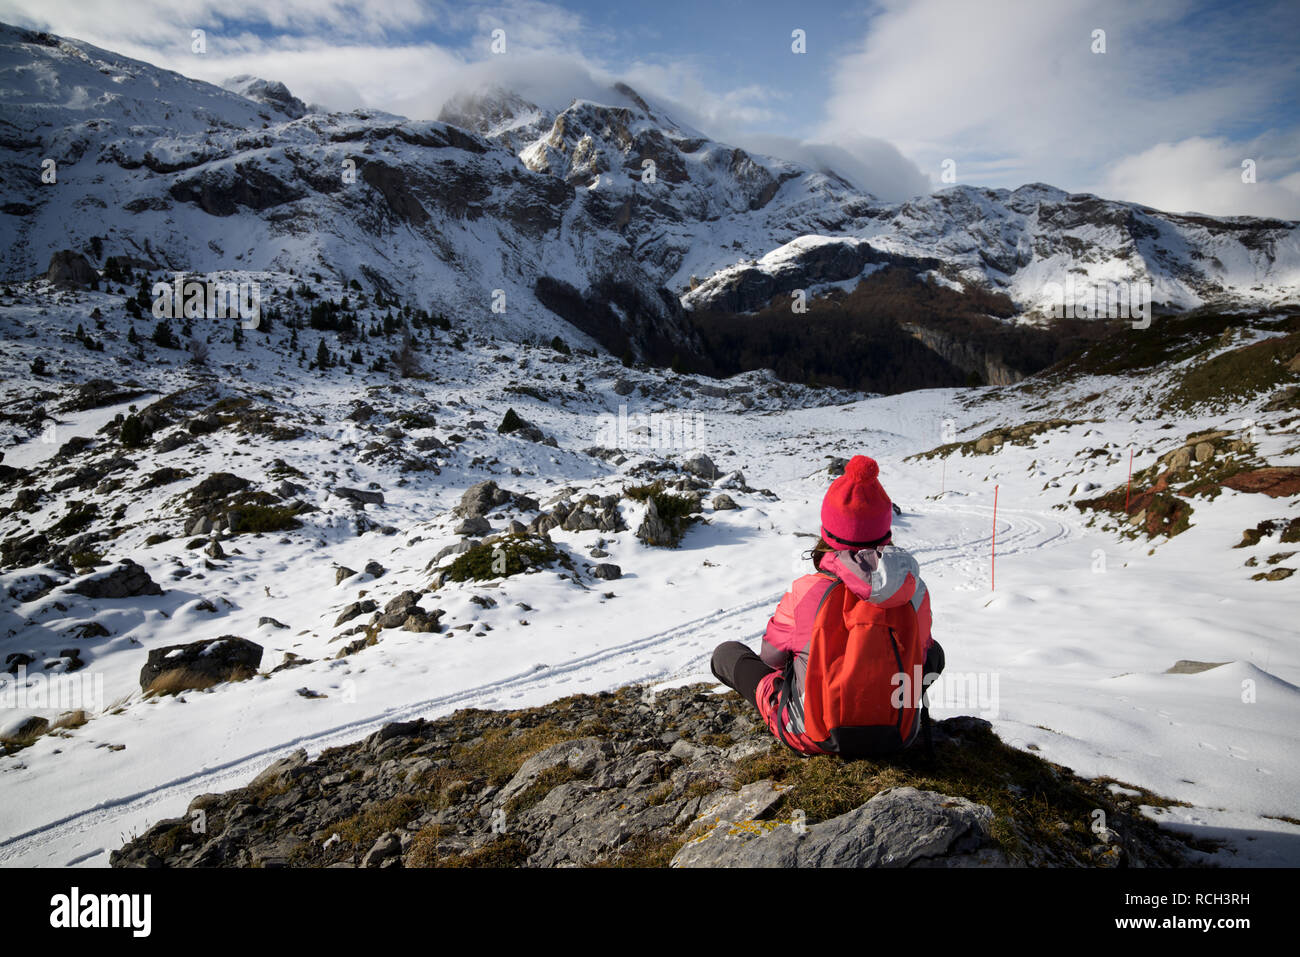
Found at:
(885, 576)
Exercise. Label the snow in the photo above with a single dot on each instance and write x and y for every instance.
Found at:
(1072, 660)
(1069, 654)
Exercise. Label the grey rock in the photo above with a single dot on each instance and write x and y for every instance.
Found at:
(355, 610)
(580, 754)
(221, 659)
(701, 465)
(69, 268)
(474, 527)
(388, 845)
(127, 580)
(360, 497)
(656, 530)
(481, 498)
(899, 827)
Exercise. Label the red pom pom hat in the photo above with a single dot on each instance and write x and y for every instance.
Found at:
(856, 512)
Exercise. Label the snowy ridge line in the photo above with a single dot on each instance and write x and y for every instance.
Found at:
(238, 768)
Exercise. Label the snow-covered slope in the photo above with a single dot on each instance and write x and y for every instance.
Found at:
(1070, 655)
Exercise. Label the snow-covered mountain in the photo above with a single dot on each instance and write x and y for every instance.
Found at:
(325, 494)
(609, 217)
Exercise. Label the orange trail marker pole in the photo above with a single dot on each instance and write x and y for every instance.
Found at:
(993, 553)
(1130, 480)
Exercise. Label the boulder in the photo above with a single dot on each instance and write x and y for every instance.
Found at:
(355, 610)
(228, 658)
(481, 498)
(127, 580)
(74, 445)
(656, 530)
(899, 827)
(701, 465)
(360, 497)
(1178, 459)
(473, 528)
(69, 268)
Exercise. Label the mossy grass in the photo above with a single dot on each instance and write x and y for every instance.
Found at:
(504, 556)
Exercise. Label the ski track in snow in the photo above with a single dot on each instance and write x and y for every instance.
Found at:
(1018, 531)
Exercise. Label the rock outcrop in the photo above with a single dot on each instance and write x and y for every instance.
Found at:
(650, 777)
(228, 658)
(127, 580)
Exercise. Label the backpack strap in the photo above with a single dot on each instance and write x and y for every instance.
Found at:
(787, 676)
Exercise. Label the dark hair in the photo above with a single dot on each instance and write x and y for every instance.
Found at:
(823, 547)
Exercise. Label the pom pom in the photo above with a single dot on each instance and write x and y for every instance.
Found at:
(862, 469)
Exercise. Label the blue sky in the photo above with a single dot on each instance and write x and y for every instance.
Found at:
(999, 92)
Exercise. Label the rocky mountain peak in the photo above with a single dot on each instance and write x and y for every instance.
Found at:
(270, 93)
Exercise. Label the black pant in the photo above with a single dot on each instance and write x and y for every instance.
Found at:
(739, 668)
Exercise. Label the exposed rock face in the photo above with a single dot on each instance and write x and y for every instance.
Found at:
(899, 827)
(967, 356)
(272, 93)
(635, 776)
(220, 659)
(805, 262)
(127, 580)
(68, 268)
(664, 530)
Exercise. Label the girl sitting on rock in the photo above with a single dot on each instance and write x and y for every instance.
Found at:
(848, 654)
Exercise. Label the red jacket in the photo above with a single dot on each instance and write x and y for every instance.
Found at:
(888, 577)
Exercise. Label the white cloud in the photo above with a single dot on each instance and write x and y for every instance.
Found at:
(872, 165)
(1205, 176)
(1011, 91)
